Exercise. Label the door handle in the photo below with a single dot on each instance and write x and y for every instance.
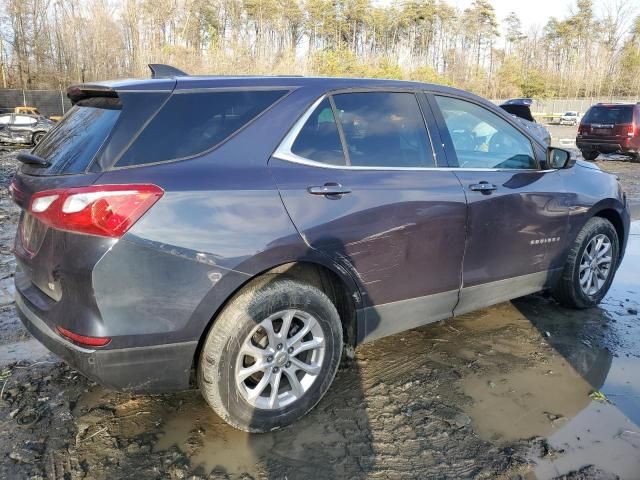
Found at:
(484, 187)
(329, 190)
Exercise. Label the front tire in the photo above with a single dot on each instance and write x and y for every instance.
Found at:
(590, 265)
(271, 354)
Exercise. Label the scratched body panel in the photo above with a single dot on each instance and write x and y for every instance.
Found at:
(401, 232)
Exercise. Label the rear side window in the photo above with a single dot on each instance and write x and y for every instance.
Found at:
(319, 139)
(609, 115)
(384, 129)
(191, 123)
(73, 143)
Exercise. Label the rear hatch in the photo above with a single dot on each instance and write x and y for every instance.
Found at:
(77, 150)
(608, 123)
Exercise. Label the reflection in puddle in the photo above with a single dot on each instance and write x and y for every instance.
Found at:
(599, 435)
(526, 402)
(598, 351)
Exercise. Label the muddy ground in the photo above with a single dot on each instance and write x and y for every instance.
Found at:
(525, 389)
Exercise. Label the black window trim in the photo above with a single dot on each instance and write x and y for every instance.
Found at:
(287, 89)
(284, 152)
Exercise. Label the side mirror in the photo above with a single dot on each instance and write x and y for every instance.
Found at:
(559, 158)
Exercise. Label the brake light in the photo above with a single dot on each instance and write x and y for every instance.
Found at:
(103, 210)
(581, 128)
(83, 339)
(631, 130)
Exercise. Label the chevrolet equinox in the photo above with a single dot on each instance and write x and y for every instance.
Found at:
(237, 233)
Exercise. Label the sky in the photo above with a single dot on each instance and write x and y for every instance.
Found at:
(531, 12)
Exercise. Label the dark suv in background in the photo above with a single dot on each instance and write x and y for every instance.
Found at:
(236, 233)
(610, 128)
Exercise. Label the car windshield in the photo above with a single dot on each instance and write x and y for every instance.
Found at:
(610, 115)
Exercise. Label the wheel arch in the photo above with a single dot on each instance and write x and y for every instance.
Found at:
(613, 215)
(37, 132)
(342, 291)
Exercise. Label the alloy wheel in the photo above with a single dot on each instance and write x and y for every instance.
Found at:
(595, 264)
(280, 359)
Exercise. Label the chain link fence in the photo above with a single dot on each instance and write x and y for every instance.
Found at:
(48, 102)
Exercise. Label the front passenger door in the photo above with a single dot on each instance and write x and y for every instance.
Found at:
(516, 220)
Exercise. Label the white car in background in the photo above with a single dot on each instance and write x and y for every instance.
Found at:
(569, 118)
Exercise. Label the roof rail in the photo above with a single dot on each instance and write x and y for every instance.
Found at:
(160, 70)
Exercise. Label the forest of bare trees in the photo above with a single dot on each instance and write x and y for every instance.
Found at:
(593, 50)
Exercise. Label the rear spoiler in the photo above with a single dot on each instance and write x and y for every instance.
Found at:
(160, 70)
(106, 90)
(81, 92)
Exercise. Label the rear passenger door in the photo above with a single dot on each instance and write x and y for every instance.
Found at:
(517, 212)
(359, 177)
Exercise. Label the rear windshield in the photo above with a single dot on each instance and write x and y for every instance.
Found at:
(194, 122)
(609, 115)
(71, 145)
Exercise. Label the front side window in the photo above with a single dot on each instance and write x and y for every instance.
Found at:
(384, 129)
(192, 123)
(481, 139)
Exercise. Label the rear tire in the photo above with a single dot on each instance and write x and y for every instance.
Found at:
(634, 156)
(596, 244)
(590, 155)
(248, 337)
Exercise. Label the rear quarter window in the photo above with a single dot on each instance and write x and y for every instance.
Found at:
(194, 122)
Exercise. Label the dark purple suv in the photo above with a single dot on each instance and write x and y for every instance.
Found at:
(238, 233)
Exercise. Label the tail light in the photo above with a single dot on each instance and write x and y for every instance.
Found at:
(103, 210)
(83, 340)
(581, 128)
(631, 130)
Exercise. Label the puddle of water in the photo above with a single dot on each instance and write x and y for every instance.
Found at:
(220, 446)
(599, 435)
(595, 349)
(526, 402)
(30, 350)
(213, 444)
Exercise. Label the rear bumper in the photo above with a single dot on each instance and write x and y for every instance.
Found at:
(157, 368)
(605, 146)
